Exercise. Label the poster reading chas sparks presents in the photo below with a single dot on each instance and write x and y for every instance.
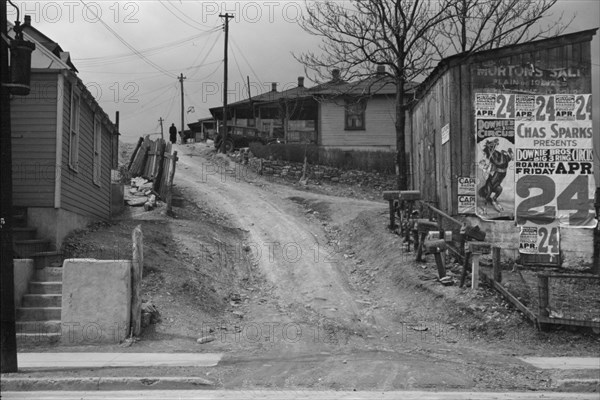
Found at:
(554, 164)
(536, 151)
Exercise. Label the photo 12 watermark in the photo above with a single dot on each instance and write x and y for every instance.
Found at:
(253, 11)
(77, 11)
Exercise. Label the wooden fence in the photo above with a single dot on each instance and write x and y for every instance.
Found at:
(569, 299)
(155, 161)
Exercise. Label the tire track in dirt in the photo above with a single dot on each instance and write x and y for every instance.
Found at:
(292, 252)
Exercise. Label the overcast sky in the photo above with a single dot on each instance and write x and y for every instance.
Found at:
(187, 37)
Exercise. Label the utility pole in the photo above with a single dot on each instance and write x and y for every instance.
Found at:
(227, 17)
(8, 333)
(160, 120)
(181, 78)
(115, 144)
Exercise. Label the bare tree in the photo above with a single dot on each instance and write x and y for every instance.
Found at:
(474, 25)
(359, 34)
(288, 107)
(409, 36)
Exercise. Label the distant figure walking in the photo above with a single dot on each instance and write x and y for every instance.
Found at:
(173, 134)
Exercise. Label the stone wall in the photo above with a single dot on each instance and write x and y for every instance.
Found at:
(317, 173)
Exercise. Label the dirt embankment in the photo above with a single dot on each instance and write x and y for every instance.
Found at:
(304, 288)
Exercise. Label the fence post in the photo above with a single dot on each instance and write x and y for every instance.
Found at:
(596, 256)
(170, 184)
(161, 158)
(543, 295)
(134, 154)
(136, 281)
(497, 272)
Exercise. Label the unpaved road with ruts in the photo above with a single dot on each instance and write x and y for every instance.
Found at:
(313, 323)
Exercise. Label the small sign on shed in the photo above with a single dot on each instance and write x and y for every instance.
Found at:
(445, 133)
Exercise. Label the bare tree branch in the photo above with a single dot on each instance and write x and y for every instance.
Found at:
(409, 37)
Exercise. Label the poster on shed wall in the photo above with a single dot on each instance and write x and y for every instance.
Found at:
(554, 163)
(466, 195)
(495, 146)
(539, 239)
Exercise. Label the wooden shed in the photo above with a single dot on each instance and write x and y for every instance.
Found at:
(521, 84)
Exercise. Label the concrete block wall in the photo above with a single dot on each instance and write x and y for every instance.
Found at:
(576, 244)
(96, 301)
(23, 272)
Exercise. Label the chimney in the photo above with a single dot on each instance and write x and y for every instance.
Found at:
(273, 86)
(380, 69)
(27, 20)
(335, 75)
(300, 81)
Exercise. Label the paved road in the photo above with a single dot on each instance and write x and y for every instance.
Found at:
(292, 395)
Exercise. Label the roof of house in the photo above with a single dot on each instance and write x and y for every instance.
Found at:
(273, 95)
(48, 43)
(378, 84)
(373, 85)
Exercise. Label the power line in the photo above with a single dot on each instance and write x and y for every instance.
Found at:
(206, 55)
(152, 74)
(184, 14)
(147, 51)
(130, 47)
(204, 78)
(147, 106)
(247, 62)
(238, 66)
(171, 104)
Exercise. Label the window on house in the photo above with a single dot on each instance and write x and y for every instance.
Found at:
(355, 115)
(74, 132)
(97, 151)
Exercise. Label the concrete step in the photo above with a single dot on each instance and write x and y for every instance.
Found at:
(42, 300)
(45, 287)
(25, 339)
(40, 327)
(48, 274)
(24, 233)
(38, 313)
(44, 259)
(27, 248)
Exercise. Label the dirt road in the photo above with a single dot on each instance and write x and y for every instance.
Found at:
(319, 322)
(293, 252)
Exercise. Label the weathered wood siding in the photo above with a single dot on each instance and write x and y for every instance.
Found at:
(79, 193)
(33, 120)
(379, 132)
(432, 159)
(447, 97)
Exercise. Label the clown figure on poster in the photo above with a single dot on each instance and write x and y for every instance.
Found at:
(495, 172)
